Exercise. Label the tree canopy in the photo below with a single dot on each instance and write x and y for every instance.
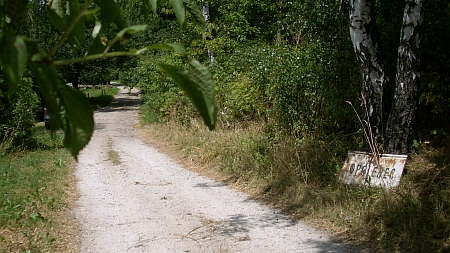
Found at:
(288, 61)
(69, 108)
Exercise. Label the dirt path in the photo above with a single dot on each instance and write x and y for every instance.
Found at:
(136, 199)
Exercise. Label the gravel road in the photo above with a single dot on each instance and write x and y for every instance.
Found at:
(135, 199)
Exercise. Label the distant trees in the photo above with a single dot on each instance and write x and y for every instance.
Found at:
(297, 60)
(289, 62)
(41, 55)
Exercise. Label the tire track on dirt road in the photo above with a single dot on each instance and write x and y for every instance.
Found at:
(146, 202)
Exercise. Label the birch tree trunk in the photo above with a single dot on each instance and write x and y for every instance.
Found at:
(207, 16)
(364, 35)
(404, 105)
(280, 15)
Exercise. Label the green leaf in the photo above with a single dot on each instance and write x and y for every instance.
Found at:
(153, 5)
(56, 14)
(13, 58)
(69, 109)
(196, 13)
(130, 30)
(97, 45)
(108, 12)
(90, 14)
(174, 47)
(120, 20)
(179, 11)
(199, 88)
(197, 84)
(125, 33)
(76, 37)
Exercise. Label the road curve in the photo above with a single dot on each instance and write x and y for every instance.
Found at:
(136, 199)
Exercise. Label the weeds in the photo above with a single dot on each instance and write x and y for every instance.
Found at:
(33, 188)
(300, 176)
(113, 155)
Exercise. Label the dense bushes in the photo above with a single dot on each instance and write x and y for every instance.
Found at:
(163, 99)
(18, 114)
(300, 90)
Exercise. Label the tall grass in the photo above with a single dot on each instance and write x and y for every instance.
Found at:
(34, 187)
(300, 176)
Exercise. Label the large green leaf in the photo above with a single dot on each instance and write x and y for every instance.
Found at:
(56, 14)
(69, 109)
(76, 37)
(108, 12)
(120, 20)
(196, 13)
(174, 47)
(127, 32)
(97, 45)
(198, 85)
(13, 58)
(178, 9)
(153, 5)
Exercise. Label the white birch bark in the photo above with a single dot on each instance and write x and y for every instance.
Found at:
(404, 106)
(280, 14)
(365, 41)
(207, 16)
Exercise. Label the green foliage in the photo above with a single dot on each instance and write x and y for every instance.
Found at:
(69, 108)
(18, 115)
(163, 99)
(434, 104)
(239, 98)
(243, 20)
(71, 112)
(197, 85)
(302, 89)
(100, 96)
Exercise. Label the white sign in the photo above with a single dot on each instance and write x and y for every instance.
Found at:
(362, 168)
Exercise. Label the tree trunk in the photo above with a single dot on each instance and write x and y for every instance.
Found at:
(75, 82)
(280, 14)
(364, 35)
(404, 105)
(207, 16)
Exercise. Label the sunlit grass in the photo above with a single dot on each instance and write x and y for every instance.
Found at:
(33, 190)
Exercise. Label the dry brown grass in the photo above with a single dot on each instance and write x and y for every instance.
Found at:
(300, 176)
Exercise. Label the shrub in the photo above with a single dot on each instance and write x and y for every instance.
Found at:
(163, 99)
(18, 114)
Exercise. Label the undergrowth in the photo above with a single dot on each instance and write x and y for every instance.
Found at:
(33, 193)
(300, 175)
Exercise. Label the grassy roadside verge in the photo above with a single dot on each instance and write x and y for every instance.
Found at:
(36, 193)
(301, 178)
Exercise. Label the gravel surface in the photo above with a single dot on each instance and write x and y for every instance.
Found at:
(136, 199)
